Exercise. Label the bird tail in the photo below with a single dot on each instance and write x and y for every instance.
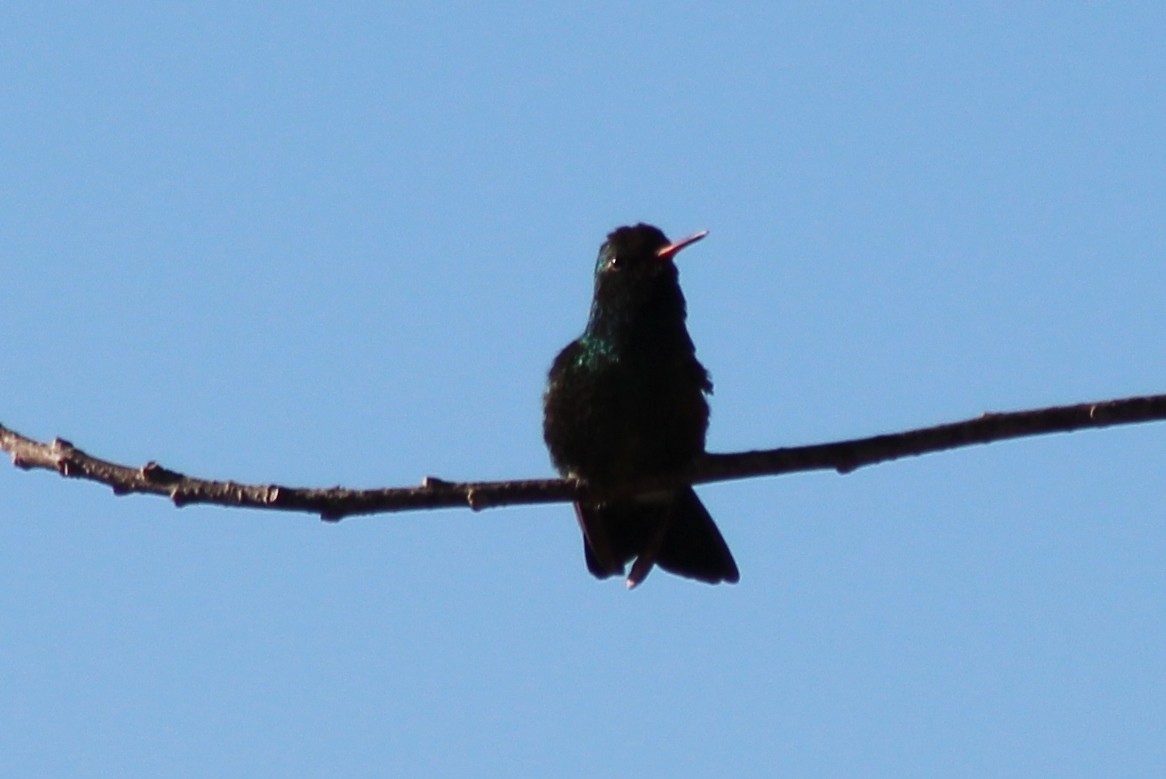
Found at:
(675, 532)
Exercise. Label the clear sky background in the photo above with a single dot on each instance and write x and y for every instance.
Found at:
(340, 244)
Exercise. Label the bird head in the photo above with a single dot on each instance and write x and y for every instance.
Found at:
(640, 251)
(636, 282)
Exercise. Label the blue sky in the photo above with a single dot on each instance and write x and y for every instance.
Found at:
(341, 244)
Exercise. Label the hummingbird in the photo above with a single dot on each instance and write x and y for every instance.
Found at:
(625, 402)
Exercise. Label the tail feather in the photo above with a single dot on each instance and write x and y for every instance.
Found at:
(690, 545)
(694, 547)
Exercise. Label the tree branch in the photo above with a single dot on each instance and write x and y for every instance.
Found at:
(336, 503)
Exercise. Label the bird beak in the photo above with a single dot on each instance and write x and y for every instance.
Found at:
(670, 251)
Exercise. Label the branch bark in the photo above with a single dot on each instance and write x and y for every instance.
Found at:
(336, 503)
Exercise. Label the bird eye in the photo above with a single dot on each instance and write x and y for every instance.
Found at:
(615, 263)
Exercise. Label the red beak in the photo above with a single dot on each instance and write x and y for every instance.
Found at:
(669, 251)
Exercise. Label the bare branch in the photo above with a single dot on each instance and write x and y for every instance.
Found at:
(336, 503)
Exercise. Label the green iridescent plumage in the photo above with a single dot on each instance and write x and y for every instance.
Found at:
(625, 402)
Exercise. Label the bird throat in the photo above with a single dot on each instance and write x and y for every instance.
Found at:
(635, 319)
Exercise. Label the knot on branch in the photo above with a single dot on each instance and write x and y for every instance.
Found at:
(156, 474)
